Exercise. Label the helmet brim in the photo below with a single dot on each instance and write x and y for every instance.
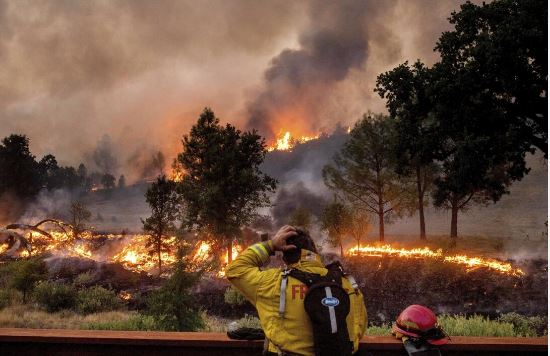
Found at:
(435, 342)
(396, 328)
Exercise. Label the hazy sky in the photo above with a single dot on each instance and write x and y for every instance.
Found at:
(141, 71)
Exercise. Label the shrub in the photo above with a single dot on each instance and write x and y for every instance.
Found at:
(233, 297)
(248, 321)
(525, 325)
(383, 330)
(138, 322)
(7, 297)
(25, 274)
(475, 325)
(55, 296)
(173, 306)
(84, 279)
(97, 299)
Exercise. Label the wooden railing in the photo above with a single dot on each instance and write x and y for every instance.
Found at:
(27, 342)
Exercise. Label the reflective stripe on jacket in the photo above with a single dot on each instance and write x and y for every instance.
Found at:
(292, 332)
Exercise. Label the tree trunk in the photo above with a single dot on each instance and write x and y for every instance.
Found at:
(420, 204)
(229, 251)
(381, 226)
(454, 220)
(341, 250)
(159, 256)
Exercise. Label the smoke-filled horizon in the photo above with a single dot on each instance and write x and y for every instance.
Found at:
(78, 74)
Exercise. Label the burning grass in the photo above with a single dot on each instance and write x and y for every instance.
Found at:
(471, 263)
(129, 250)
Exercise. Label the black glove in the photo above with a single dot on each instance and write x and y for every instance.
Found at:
(246, 334)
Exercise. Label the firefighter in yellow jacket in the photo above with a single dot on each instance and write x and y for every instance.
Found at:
(283, 318)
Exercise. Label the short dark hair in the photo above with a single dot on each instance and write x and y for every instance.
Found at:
(301, 240)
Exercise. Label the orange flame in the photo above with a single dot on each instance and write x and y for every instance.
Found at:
(285, 141)
(425, 252)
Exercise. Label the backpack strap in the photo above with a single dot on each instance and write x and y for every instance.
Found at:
(282, 297)
(305, 277)
(336, 266)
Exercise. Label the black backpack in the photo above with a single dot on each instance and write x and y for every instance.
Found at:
(327, 304)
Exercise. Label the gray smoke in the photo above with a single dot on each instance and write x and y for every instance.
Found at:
(335, 42)
(291, 197)
(104, 156)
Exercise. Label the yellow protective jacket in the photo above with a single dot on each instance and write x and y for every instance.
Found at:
(292, 332)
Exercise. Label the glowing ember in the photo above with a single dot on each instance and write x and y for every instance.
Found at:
(425, 252)
(125, 295)
(286, 142)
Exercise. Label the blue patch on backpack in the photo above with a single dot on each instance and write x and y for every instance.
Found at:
(330, 302)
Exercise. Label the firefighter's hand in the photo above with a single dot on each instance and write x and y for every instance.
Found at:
(279, 240)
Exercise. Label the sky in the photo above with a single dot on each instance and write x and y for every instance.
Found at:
(140, 72)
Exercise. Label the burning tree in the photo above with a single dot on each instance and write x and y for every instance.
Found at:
(364, 172)
(164, 200)
(222, 186)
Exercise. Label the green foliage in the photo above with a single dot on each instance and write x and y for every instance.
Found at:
(7, 297)
(20, 173)
(383, 330)
(301, 217)
(25, 274)
(55, 296)
(233, 297)
(164, 201)
(247, 321)
(478, 111)
(494, 69)
(529, 326)
(223, 185)
(507, 325)
(475, 325)
(173, 306)
(364, 172)
(406, 90)
(336, 220)
(359, 226)
(498, 56)
(97, 299)
(137, 322)
(84, 279)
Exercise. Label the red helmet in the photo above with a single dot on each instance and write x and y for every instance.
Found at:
(420, 322)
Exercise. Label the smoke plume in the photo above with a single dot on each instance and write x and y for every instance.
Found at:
(142, 71)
